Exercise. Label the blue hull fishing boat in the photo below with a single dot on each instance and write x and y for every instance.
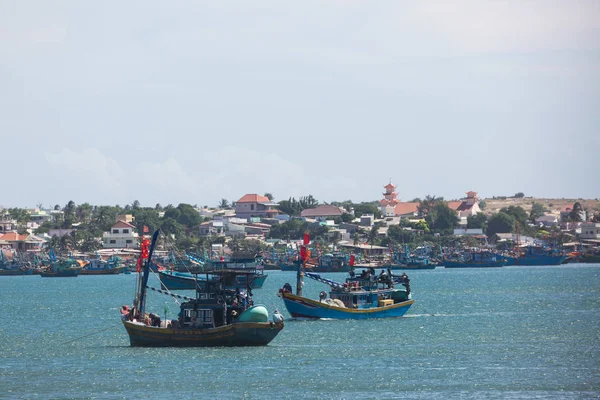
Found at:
(186, 281)
(535, 256)
(326, 263)
(362, 297)
(474, 259)
(216, 316)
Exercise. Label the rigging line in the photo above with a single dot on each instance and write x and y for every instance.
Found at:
(91, 334)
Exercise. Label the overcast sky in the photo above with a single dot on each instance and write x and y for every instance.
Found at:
(167, 102)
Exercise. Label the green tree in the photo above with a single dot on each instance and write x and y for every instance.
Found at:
(500, 223)
(428, 204)
(442, 218)
(577, 213)
(519, 195)
(537, 210)
(269, 196)
(20, 215)
(224, 204)
(366, 208)
(83, 212)
(477, 221)
(518, 213)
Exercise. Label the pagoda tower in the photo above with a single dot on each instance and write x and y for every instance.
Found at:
(390, 200)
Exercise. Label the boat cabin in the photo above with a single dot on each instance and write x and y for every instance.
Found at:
(215, 305)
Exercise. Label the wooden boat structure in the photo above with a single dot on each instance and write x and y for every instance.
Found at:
(216, 316)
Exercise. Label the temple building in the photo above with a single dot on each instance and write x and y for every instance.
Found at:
(466, 207)
(391, 206)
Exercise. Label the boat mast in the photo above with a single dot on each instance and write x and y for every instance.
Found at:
(144, 282)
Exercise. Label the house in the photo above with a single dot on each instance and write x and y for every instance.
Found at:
(210, 228)
(121, 235)
(547, 220)
(365, 248)
(40, 216)
(367, 220)
(7, 224)
(21, 242)
(60, 232)
(477, 232)
(466, 207)
(257, 228)
(322, 212)
(255, 205)
(590, 230)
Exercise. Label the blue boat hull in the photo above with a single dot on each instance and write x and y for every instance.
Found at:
(301, 307)
(529, 260)
(482, 264)
(179, 282)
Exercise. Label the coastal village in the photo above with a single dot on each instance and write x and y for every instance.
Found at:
(256, 223)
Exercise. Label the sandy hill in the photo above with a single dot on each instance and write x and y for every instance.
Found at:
(553, 205)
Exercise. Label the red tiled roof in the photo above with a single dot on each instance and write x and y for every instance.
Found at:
(123, 224)
(471, 193)
(463, 206)
(567, 208)
(406, 208)
(322, 211)
(13, 237)
(254, 198)
(454, 205)
(390, 185)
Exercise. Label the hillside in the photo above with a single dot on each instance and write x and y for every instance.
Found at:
(554, 206)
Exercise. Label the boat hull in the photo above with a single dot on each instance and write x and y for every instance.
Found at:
(103, 271)
(294, 267)
(177, 282)
(535, 260)
(483, 264)
(61, 274)
(12, 272)
(302, 307)
(411, 267)
(237, 334)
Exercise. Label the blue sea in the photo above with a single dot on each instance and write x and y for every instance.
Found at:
(498, 333)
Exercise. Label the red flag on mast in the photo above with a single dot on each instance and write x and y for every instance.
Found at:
(306, 239)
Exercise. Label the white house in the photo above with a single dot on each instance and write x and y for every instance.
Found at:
(121, 235)
(590, 230)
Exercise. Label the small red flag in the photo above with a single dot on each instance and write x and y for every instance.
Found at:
(306, 239)
(146, 230)
(352, 259)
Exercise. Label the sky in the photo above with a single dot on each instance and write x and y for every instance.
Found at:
(191, 101)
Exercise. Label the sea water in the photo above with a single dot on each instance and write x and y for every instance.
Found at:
(498, 333)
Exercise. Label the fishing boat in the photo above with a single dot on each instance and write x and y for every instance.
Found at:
(365, 296)
(216, 316)
(98, 266)
(174, 280)
(360, 297)
(531, 255)
(13, 266)
(474, 259)
(419, 259)
(330, 262)
(62, 268)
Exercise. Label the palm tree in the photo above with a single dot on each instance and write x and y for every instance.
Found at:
(577, 213)
(224, 204)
